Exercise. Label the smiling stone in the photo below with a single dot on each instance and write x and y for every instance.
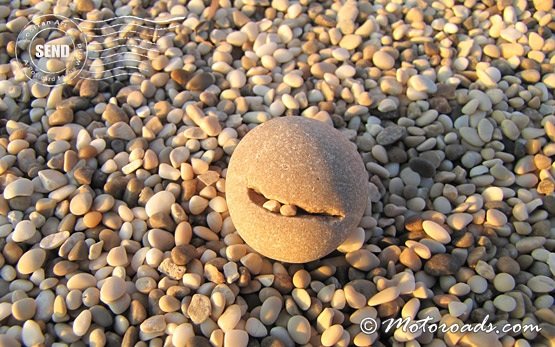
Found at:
(305, 164)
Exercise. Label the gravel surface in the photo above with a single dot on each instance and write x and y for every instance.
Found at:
(114, 227)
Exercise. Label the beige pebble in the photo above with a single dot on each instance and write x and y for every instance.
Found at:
(81, 203)
(436, 231)
(82, 323)
(229, 319)
(198, 204)
(199, 309)
(31, 333)
(81, 281)
(270, 310)
(159, 203)
(288, 210)
(24, 309)
(383, 60)
(362, 259)
(112, 289)
(153, 325)
(31, 261)
(238, 338)
(19, 187)
(299, 329)
(117, 256)
(332, 335)
(272, 205)
(24, 231)
(386, 295)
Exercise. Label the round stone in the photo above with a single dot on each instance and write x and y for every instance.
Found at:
(24, 309)
(236, 78)
(238, 338)
(199, 309)
(302, 162)
(81, 281)
(112, 289)
(299, 329)
(159, 202)
(23, 231)
(81, 203)
(332, 335)
(383, 60)
(31, 334)
(82, 323)
(504, 282)
(436, 231)
(31, 261)
(19, 187)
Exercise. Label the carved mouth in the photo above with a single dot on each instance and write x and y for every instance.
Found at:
(259, 198)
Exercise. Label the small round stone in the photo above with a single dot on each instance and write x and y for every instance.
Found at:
(159, 202)
(112, 289)
(383, 60)
(504, 282)
(299, 329)
(24, 231)
(31, 261)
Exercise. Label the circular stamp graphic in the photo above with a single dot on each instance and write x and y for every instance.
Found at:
(52, 49)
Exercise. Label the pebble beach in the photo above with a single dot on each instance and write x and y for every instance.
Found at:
(114, 223)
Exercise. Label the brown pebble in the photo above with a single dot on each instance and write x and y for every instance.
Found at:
(60, 117)
(200, 81)
(181, 77)
(87, 152)
(183, 254)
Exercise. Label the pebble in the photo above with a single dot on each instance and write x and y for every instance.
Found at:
(332, 335)
(112, 289)
(504, 282)
(153, 325)
(422, 83)
(390, 135)
(31, 261)
(159, 203)
(31, 333)
(81, 203)
(422, 167)
(436, 231)
(229, 319)
(52, 179)
(255, 328)
(541, 284)
(293, 80)
(252, 222)
(24, 230)
(199, 309)
(236, 79)
(82, 323)
(384, 296)
(299, 329)
(19, 187)
(441, 265)
(270, 310)
(200, 81)
(238, 338)
(383, 60)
